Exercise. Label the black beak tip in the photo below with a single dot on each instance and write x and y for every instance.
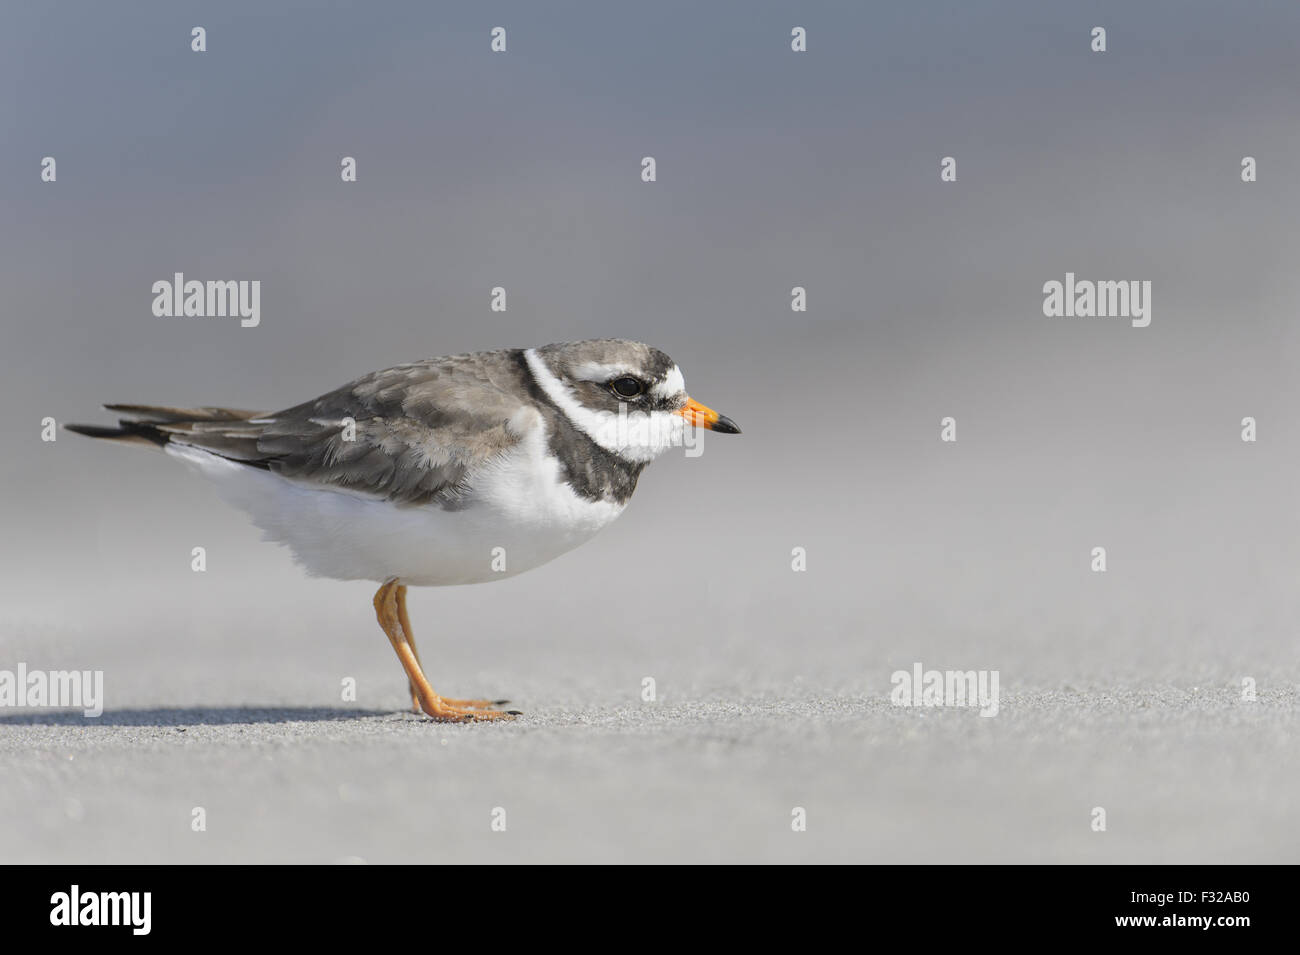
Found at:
(725, 425)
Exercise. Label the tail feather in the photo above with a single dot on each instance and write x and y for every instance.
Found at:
(147, 424)
(160, 414)
(129, 432)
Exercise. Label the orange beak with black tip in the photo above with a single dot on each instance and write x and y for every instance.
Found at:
(702, 417)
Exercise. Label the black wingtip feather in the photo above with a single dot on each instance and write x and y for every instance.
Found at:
(127, 431)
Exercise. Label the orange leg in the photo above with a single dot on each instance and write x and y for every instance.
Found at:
(392, 616)
(405, 621)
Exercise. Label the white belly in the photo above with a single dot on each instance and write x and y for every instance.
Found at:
(520, 515)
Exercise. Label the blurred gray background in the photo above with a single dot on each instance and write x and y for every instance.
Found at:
(775, 169)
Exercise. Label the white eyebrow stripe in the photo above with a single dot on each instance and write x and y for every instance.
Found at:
(673, 384)
(595, 371)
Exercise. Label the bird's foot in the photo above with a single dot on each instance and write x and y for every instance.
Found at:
(453, 702)
(474, 704)
(445, 710)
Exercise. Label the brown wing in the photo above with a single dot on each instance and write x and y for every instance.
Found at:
(412, 434)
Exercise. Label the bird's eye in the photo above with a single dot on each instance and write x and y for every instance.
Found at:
(626, 387)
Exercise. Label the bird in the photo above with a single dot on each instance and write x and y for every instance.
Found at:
(459, 469)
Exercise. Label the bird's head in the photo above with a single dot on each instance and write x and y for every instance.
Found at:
(626, 396)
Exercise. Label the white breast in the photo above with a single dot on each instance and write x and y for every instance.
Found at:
(519, 515)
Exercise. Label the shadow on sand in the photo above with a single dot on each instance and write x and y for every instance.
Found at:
(191, 716)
